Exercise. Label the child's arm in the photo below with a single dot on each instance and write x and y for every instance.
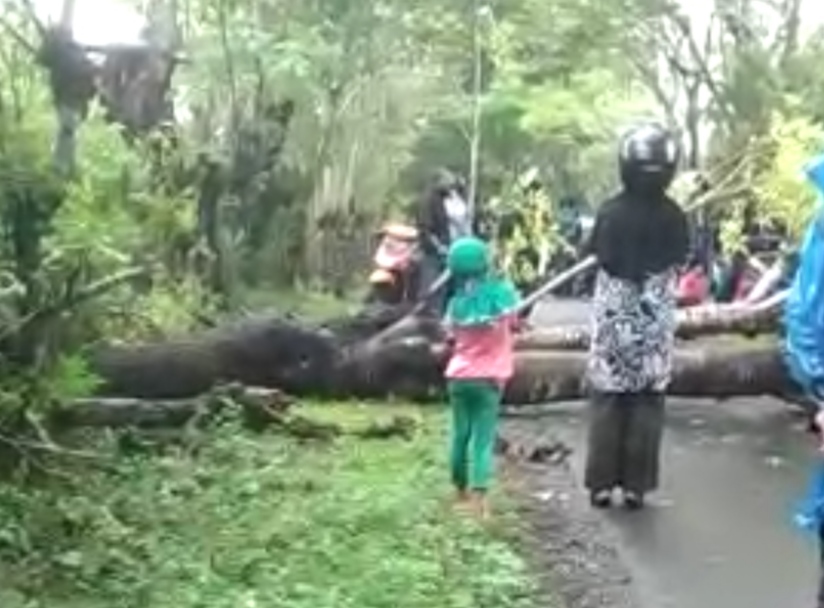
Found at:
(518, 323)
(449, 331)
(516, 319)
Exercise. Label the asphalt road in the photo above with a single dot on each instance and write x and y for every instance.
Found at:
(719, 532)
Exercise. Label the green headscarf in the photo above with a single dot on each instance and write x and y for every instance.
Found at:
(480, 297)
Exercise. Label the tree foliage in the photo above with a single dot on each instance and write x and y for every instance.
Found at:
(782, 190)
(291, 129)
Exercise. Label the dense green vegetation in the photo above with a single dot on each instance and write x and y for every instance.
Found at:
(287, 132)
(233, 519)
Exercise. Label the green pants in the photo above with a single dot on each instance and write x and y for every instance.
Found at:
(475, 406)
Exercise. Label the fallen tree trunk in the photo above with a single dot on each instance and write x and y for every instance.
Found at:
(344, 359)
(693, 323)
(306, 361)
(711, 371)
(259, 351)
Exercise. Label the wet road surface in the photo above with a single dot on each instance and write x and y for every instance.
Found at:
(719, 532)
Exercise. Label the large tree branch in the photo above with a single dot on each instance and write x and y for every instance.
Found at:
(74, 299)
(18, 37)
(649, 76)
(791, 11)
(701, 65)
(31, 13)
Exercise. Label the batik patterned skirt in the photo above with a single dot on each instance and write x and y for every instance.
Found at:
(629, 369)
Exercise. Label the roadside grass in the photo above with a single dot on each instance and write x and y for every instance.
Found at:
(234, 519)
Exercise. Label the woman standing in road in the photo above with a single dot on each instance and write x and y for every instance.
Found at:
(640, 239)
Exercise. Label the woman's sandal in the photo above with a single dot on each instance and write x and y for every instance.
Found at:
(633, 501)
(602, 499)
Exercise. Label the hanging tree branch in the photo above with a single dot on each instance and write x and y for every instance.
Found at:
(73, 299)
(18, 37)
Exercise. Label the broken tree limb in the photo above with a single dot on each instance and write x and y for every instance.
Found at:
(399, 327)
(74, 298)
(768, 281)
(259, 405)
(556, 282)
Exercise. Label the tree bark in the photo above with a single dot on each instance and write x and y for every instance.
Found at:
(693, 323)
(259, 406)
(713, 371)
(334, 362)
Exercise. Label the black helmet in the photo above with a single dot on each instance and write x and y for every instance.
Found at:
(444, 181)
(648, 157)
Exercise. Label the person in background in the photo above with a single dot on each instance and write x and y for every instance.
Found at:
(731, 276)
(640, 239)
(704, 238)
(480, 317)
(569, 220)
(442, 216)
(693, 284)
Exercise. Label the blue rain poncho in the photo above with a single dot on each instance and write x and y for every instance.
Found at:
(804, 311)
(804, 342)
(809, 514)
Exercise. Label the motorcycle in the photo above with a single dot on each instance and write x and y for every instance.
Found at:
(393, 279)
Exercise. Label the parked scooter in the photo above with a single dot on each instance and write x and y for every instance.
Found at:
(394, 277)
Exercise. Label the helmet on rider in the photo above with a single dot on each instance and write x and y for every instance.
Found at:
(648, 158)
(445, 182)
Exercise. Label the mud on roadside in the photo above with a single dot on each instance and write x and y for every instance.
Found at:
(574, 557)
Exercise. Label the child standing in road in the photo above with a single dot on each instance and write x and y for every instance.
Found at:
(481, 318)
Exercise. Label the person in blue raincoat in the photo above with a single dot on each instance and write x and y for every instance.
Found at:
(804, 352)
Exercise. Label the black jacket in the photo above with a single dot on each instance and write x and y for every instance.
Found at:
(432, 224)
